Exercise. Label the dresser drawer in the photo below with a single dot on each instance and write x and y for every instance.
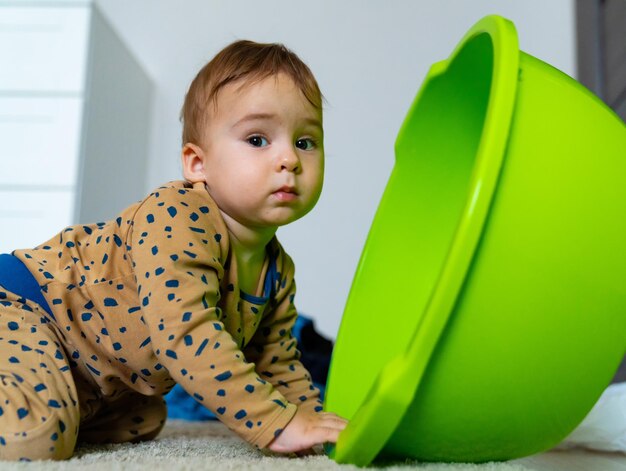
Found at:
(28, 218)
(40, 140)
(43, 49)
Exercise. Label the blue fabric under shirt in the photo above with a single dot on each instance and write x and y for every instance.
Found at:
(15, 277)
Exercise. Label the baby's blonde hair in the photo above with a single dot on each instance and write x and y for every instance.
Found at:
(242, 59)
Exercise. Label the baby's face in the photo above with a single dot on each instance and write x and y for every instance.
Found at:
(263, 152)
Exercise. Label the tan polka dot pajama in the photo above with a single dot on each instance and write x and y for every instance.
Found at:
(132, 306)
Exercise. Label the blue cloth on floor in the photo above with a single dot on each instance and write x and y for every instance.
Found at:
(316, 352)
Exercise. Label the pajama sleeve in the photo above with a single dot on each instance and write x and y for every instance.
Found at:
(273, 348)
(177, 248)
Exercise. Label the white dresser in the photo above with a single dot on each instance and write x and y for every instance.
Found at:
(74, 120)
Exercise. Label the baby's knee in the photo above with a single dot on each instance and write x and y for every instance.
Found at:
(149, 418)
(133, 418)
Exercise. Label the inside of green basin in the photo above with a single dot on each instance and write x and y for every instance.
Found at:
(448, 156)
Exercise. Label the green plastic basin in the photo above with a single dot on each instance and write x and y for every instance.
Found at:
(488, 310)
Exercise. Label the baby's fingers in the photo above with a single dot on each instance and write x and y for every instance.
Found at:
(333, 421)
(324, 434)
(328, 428)
(306, 430)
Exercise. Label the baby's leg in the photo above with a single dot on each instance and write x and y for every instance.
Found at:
(39, 413)
(131, 418)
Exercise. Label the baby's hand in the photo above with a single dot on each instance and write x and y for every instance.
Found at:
(307, 430)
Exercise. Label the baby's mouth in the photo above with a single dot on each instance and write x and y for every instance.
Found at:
(287, 189)
(286, 193)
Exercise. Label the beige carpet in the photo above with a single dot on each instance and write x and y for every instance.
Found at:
(211, 446)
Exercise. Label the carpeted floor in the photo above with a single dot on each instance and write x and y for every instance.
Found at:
(210, 445)
(188, 446)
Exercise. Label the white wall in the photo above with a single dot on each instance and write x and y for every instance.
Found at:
(369, 57)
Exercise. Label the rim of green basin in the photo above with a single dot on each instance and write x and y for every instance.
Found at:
(378, 417)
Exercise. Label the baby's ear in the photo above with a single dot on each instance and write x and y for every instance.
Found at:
(192, 157)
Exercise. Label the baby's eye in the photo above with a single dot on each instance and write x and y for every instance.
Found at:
(257, 141)
(305, 144)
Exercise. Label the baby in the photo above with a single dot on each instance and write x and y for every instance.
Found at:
(189, 285)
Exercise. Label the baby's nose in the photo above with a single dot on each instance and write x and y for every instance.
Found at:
(289, 161)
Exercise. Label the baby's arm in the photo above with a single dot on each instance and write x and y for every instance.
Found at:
(273, 350)
(177, 254)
